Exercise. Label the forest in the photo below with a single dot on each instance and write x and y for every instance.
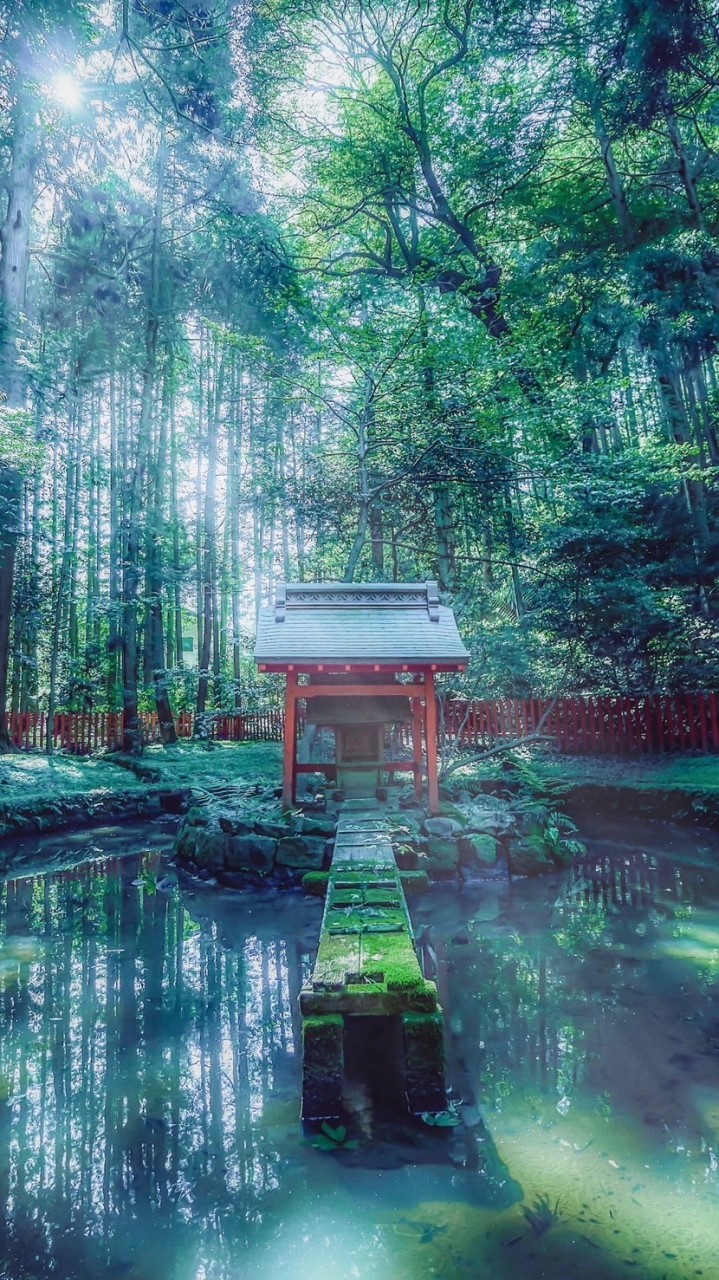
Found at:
(370, 290)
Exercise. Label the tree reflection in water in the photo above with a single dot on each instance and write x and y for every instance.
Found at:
(150, 1066)
(137, 1057)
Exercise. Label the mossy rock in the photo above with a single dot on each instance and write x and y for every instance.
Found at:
(302, 852)
(186, 841)
(523, 860)
(233, 825)
(199, 816)
(311, 826)
(273, 830)
(250, 853)
(477, 848)
(448, 809)
(442, 855)
(210, 849)
(315, 883)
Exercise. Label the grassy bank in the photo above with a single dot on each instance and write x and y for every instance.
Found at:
(37, 793)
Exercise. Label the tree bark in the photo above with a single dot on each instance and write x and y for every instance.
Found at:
(14, 261)
(132, 738)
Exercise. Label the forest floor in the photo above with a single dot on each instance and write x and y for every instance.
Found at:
(44, 793)
(687, 773)
(41, 793)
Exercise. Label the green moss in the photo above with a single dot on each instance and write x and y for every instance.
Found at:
(315, 883)
(414, 881)
(442, 855)
(327, 1026)
(450, 810)
(478, 848)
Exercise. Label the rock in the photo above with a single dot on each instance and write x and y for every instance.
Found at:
(150, 807)
(307, 852)
(250, 853)
(210, 849)
(273, 830)
(235, 826)
(442, 856)
(186, 840)
(174, 801)
(477, 848)
(442, 827)
(525, 861)
(199, 817)
(311, 826)
(406, 857)
(491, 816)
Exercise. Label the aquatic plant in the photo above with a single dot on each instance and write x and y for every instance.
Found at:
(540, 1215)
(334, 1138)
(448, 1119)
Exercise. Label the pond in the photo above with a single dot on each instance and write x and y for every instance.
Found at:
(150, 1077)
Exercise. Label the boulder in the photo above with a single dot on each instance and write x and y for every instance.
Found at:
(234, 826)
(312, 826)
(186, 841)
(523, 860)
(442, 828)
(273, 830)
(210, 849)
(477, 848)
(250, 853)
(307, 852)
(491, 816)
(442, 856)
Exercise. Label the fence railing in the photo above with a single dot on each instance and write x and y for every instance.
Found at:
(85, 732)
(603, 725)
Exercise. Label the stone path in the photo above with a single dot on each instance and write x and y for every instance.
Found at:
(367, 966)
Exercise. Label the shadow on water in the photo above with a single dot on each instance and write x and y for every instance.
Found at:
(150, 1078)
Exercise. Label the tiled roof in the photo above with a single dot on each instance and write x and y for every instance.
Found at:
(359, 622)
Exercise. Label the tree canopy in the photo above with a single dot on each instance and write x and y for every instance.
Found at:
(368, 290)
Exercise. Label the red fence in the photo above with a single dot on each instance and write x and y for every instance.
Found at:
(615, 726)
(85, 732)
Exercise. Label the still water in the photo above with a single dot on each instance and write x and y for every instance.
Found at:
(150, 1077)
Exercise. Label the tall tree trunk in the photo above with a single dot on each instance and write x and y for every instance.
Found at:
(132, 740)
(155, 544)
(234, 488)
(209, 529)
(14, 261)
(114, 584)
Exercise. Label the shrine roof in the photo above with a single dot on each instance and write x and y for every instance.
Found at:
(380, 622)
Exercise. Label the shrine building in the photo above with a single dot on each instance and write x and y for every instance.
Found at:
(362, 657)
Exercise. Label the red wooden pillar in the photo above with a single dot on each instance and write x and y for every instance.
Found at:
(417, 747)
(430, 723)
(289, 769)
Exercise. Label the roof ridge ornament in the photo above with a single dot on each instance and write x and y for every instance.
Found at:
(339, 595)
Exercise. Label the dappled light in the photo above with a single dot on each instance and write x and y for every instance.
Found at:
(359, 639)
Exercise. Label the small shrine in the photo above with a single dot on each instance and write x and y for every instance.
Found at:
(361, 658)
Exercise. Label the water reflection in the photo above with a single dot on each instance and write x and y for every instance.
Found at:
(150, 1078)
